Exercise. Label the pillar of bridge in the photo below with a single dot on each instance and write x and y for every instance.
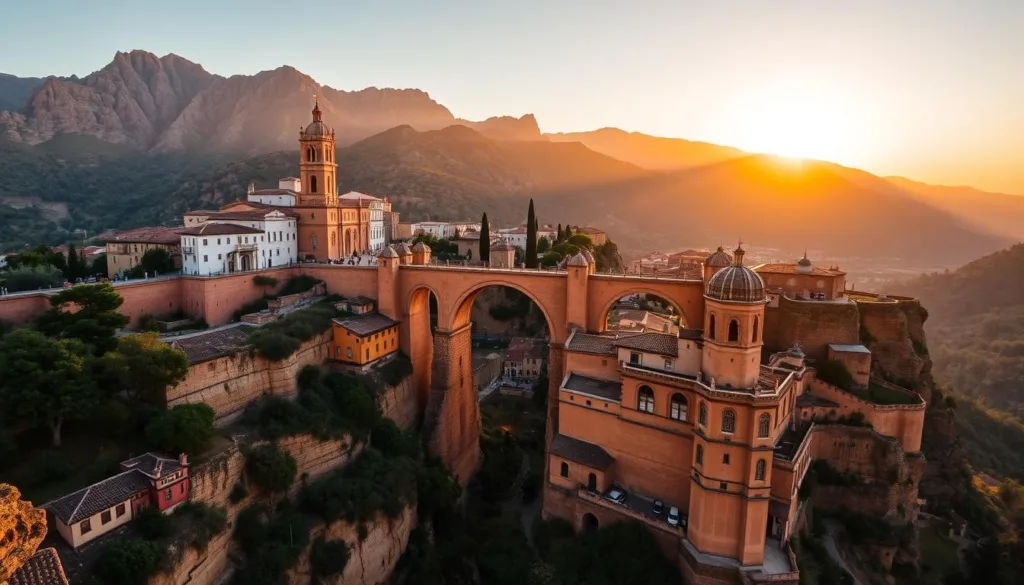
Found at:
(451, 424)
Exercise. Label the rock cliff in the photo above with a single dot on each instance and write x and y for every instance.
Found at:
(22, 528)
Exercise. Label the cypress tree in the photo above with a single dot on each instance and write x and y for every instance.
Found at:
(74, 263)
(485, 240)
(558, 238)
(531, 238)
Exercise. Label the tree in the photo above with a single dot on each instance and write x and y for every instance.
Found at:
(485, 240)
(558, 234)
(184, 428)
(157, 261)
(95, 322)
(44, 380)
(32, 277)
(531, 238)
(142, 367)
(581, 241)
(543, 245)
(270, 468)
(129, 562)
(99, 266)
(74, 264)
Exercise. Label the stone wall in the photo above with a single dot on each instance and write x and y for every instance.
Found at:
(895, 332)
(230, 383)
(904, 422)
(451, 425)
(400, 403)
(812, 324)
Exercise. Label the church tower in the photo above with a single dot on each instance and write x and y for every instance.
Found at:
(733, 325)
(317, 167)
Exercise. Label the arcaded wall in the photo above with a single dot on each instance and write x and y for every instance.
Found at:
(812, 324)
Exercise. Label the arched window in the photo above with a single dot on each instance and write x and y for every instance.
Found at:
(760, 470)
(711, 326)
(729, 421)
(753, 335)
(700, 454)
(334, 239)
(645, 399)
(764, 423)
(592, 482)
(312, 184)
(310, 154)
(677, 410)
(702, 414)
(565, 469)
(312, 240)
(734, 330)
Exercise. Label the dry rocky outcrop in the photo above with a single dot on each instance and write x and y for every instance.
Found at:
(22, 528)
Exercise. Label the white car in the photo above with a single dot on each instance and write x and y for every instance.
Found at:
(616, 495)
(673, 516)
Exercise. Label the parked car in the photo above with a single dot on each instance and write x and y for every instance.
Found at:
(659, 507)
(617, 495)
(673, 516)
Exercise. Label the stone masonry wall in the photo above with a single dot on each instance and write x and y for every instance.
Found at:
(400, 403)
(812, 324)
(451, 424)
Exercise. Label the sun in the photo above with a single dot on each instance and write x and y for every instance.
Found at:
(797, 123)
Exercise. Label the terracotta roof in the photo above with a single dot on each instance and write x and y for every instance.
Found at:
(360, 301)
(152, 465)
(204, 347)
(42, 568)
(366, 324)
(781, 268)
(659, 343)
(355, 195)
(219, 229)
(583, 452)
(148, 235)
(692, 334)
(98, 497)
(257, 205)
(388, 252)
(522, 348)
(589, 343)
(606, 389)
(590, 230)
(273, 192)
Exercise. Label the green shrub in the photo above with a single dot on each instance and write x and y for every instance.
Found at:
(202, 523)
(263, 281)
(148, 322)
(369, 485)
(279, 417)
(271, 546)
(297, 284)
(129, 562)
(309, 377)
(184, 428)
(397, 369)
(238, 493)
(391, 441)
(280, 339)
(270, 468)
(328, 558)
(154, 525)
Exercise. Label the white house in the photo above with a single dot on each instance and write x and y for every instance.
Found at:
(513, 236)
(231, 241)
(438, 229)
(378, 236)
(285, 195)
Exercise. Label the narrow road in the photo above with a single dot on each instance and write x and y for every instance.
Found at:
(831, 528)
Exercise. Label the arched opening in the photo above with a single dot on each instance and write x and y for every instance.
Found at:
(764, 423)
(564, 469)
(677, 407)
(592, 482)
(348, 243)
(711, 326)
(589, 524)
(645, 399)
(643, 313)
(702, 416)
(734, 330)
(754, 333)
(310, 154)
(312, 184)
(761, 470)
(417, 340)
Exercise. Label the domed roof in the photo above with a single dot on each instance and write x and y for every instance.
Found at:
(317, 128)
(403, 249)
(420, 247)
(805, 261)
(736, 283)
(586, 254)
(577, 260)
(718, 259)
(388, 252)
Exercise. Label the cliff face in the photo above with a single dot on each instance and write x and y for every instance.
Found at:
(22, 528)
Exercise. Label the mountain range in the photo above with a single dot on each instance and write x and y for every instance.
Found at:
(145, 138)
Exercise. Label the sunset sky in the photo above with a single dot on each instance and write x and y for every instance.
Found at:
(930, 89)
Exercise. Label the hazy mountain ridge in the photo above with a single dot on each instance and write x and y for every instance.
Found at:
(15, 91)
(650, 152)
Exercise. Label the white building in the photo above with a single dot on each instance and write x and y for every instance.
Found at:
(438, 229)
(285, 195)
(231, 241)
(377, 233)
(513, 236)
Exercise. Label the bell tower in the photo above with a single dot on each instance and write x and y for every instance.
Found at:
(317, 167)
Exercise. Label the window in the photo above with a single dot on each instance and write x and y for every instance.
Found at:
(367, 353)
(753, 335)
(592, 482)
(564, 472)
(635, 358)
(167, 494)
(711, 326)
(348, 352)
(677, 408)
(645, 402)
(105, 517)
(729, 421)
(725, 458)
(218, 241)
(204, 241)
(723, 486)
(205, 258)
(219, 256)
(760, 470)
(312, 184)
(668, 365)
(764, 423)
(702, 415)
(87, 526)
(119, 511)
(700, 454)
(734, 330)
(181, 487)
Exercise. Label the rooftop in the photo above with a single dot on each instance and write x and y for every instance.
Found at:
(273, 192)
(690, 333)
(659, 343)
(589, 343)
(152, 465)
(521, 348)
(219, 229)
(606, 389)
(241, 203)
(583, 452)
(367, 324)
(848, 348)
(202, 347)
(360, 301)
(98, 497)
(42, 568)
(148, 235)
(782, 268)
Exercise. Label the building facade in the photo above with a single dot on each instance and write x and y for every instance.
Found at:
(363, 340)
(126, 249)
(524, 359)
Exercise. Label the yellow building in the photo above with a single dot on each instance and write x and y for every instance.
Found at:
(126, 249)
(364, 339)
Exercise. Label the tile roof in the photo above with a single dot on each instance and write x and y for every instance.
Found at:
(203, 347)
(354, 195)
(590, 230)
(152, 465)
(781, 268)
(148, 235)
(257, 205)
(243, 214)
(42, 568)
(606, 389)
(360, 301)
(366, 324)
(848, 348)
(522, 348)
(273, 192)
(583, 452)
(98, 497)
(660, 343)
(691, 334)
(589, 343)
(219, 229)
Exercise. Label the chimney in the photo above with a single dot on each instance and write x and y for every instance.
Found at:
(183, 460)
(159, 469)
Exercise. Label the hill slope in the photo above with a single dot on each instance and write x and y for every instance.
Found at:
(650, 152)
(999, 213)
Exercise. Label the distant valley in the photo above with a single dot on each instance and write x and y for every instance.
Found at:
(146, 138)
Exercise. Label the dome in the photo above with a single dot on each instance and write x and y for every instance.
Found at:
(317, 128)
(804, 264)
(718, 259)
(388, 252)
(577, 260)
(586, 254)
(403, 249)
(420, 247)
(736, 283)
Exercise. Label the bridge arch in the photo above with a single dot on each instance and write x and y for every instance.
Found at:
(463, 306)
(686, 297)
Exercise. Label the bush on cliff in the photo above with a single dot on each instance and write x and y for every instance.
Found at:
(184, 428)
(369, 485)
(199, 523)
(391, 441)
(331, 408)
(129, 562)
(624, 552)
(269, 467)
(834, 372)
(396, 370)
(328, 558)
(282, 338)
(272, 545)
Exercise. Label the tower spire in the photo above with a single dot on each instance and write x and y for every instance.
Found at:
(317, 116)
